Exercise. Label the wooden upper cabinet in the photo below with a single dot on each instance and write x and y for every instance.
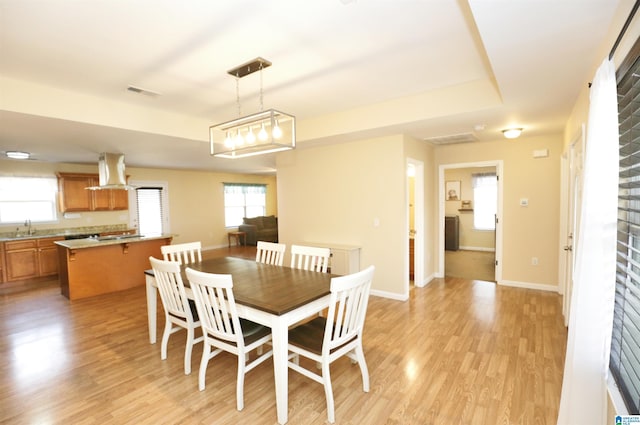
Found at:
(120, 199)
(74, 195)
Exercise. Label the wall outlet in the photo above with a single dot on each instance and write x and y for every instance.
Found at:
(534, 261)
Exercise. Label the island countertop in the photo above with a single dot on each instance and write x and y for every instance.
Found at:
(96, 266)
(107, 240)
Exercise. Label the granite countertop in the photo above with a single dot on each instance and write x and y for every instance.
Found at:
(107, 240)
(60, 233)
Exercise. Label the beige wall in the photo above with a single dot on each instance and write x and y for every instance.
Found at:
(527, 231)
(470, 238)
(196, 202)
(334, 194)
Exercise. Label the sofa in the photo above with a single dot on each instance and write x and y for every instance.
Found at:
(261, 228)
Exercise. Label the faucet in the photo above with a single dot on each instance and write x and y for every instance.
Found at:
(27, 224)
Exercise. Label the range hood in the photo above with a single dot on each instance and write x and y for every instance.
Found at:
(111, 172)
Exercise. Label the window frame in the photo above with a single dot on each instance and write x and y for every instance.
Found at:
(133, 203)
(245, 188)
(624, 359)
(51, 200)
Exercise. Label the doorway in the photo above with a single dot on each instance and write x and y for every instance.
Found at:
(474, 243)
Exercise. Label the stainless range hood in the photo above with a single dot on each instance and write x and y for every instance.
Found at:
(111, 172)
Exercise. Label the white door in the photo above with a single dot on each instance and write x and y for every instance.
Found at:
(575, 163)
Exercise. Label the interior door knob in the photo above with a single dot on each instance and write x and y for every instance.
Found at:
(568, 248)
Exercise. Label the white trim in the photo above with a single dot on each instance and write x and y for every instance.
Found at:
(530, 285)
(476, 248)
(390, 295)
(615, 397)
(499, 165)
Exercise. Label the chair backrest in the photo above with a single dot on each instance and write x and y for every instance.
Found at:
(216, 306)
(310, 258)
(183, 253)
(171, 288)
(270, 253)
(347, 308)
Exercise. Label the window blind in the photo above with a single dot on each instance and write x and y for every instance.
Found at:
(150, 211)
(625, 338)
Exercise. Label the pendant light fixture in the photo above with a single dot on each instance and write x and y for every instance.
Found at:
(260, 133)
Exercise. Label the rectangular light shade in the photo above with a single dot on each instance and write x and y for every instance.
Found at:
(265, 132)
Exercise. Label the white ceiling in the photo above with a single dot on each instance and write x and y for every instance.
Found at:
(65, 66)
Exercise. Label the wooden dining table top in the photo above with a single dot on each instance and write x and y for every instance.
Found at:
(273, 289)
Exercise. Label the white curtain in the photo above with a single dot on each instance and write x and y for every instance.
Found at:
(584, 387)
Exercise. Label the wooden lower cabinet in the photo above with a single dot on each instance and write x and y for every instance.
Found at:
(48, 256)
(30, 258)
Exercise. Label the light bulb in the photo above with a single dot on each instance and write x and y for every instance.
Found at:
(262, 135)
(277, 131)
(239, 139)
(228, 142)
(251, 138)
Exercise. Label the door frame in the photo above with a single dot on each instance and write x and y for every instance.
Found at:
(499, 165)
(572, 164)
(418, 216)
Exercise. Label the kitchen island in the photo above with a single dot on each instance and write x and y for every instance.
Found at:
(95, 266)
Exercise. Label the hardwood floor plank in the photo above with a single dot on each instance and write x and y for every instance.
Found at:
(458, 351)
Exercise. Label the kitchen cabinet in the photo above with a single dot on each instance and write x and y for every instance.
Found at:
(31, 258)
(75, 197)
(48, 256)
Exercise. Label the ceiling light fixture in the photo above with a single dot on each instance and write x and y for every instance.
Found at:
(18, 155)
(260, 133)
(512, 133)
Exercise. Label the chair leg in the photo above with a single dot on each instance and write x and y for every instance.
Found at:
(206, 353)
(328, 391)
(363, 368)
(240, 383)
(187, 351)
(165, 339)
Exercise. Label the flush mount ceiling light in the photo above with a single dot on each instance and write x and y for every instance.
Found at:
(261, 133)
(512, 133)
(18, 155)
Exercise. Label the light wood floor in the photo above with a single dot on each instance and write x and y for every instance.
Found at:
(458, 352)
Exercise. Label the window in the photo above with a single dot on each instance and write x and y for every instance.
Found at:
(625, 338)
(150, 208)
(485, 200)
(27, 198)
(243, 200)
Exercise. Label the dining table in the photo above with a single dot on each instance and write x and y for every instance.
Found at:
(271, 295)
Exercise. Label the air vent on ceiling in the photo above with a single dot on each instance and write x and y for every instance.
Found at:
(140, 90)
(452, 139)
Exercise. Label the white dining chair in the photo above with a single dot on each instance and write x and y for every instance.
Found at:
(179, 312)
(270, 253)
(222, 329)
(183, 253)
(324, 340)
(310, 258)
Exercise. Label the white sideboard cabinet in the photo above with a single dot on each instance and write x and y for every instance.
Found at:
(345, 259)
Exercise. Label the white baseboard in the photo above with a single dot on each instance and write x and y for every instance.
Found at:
(476, 248)
(390, 295)
(529, 285)
(426, 281)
